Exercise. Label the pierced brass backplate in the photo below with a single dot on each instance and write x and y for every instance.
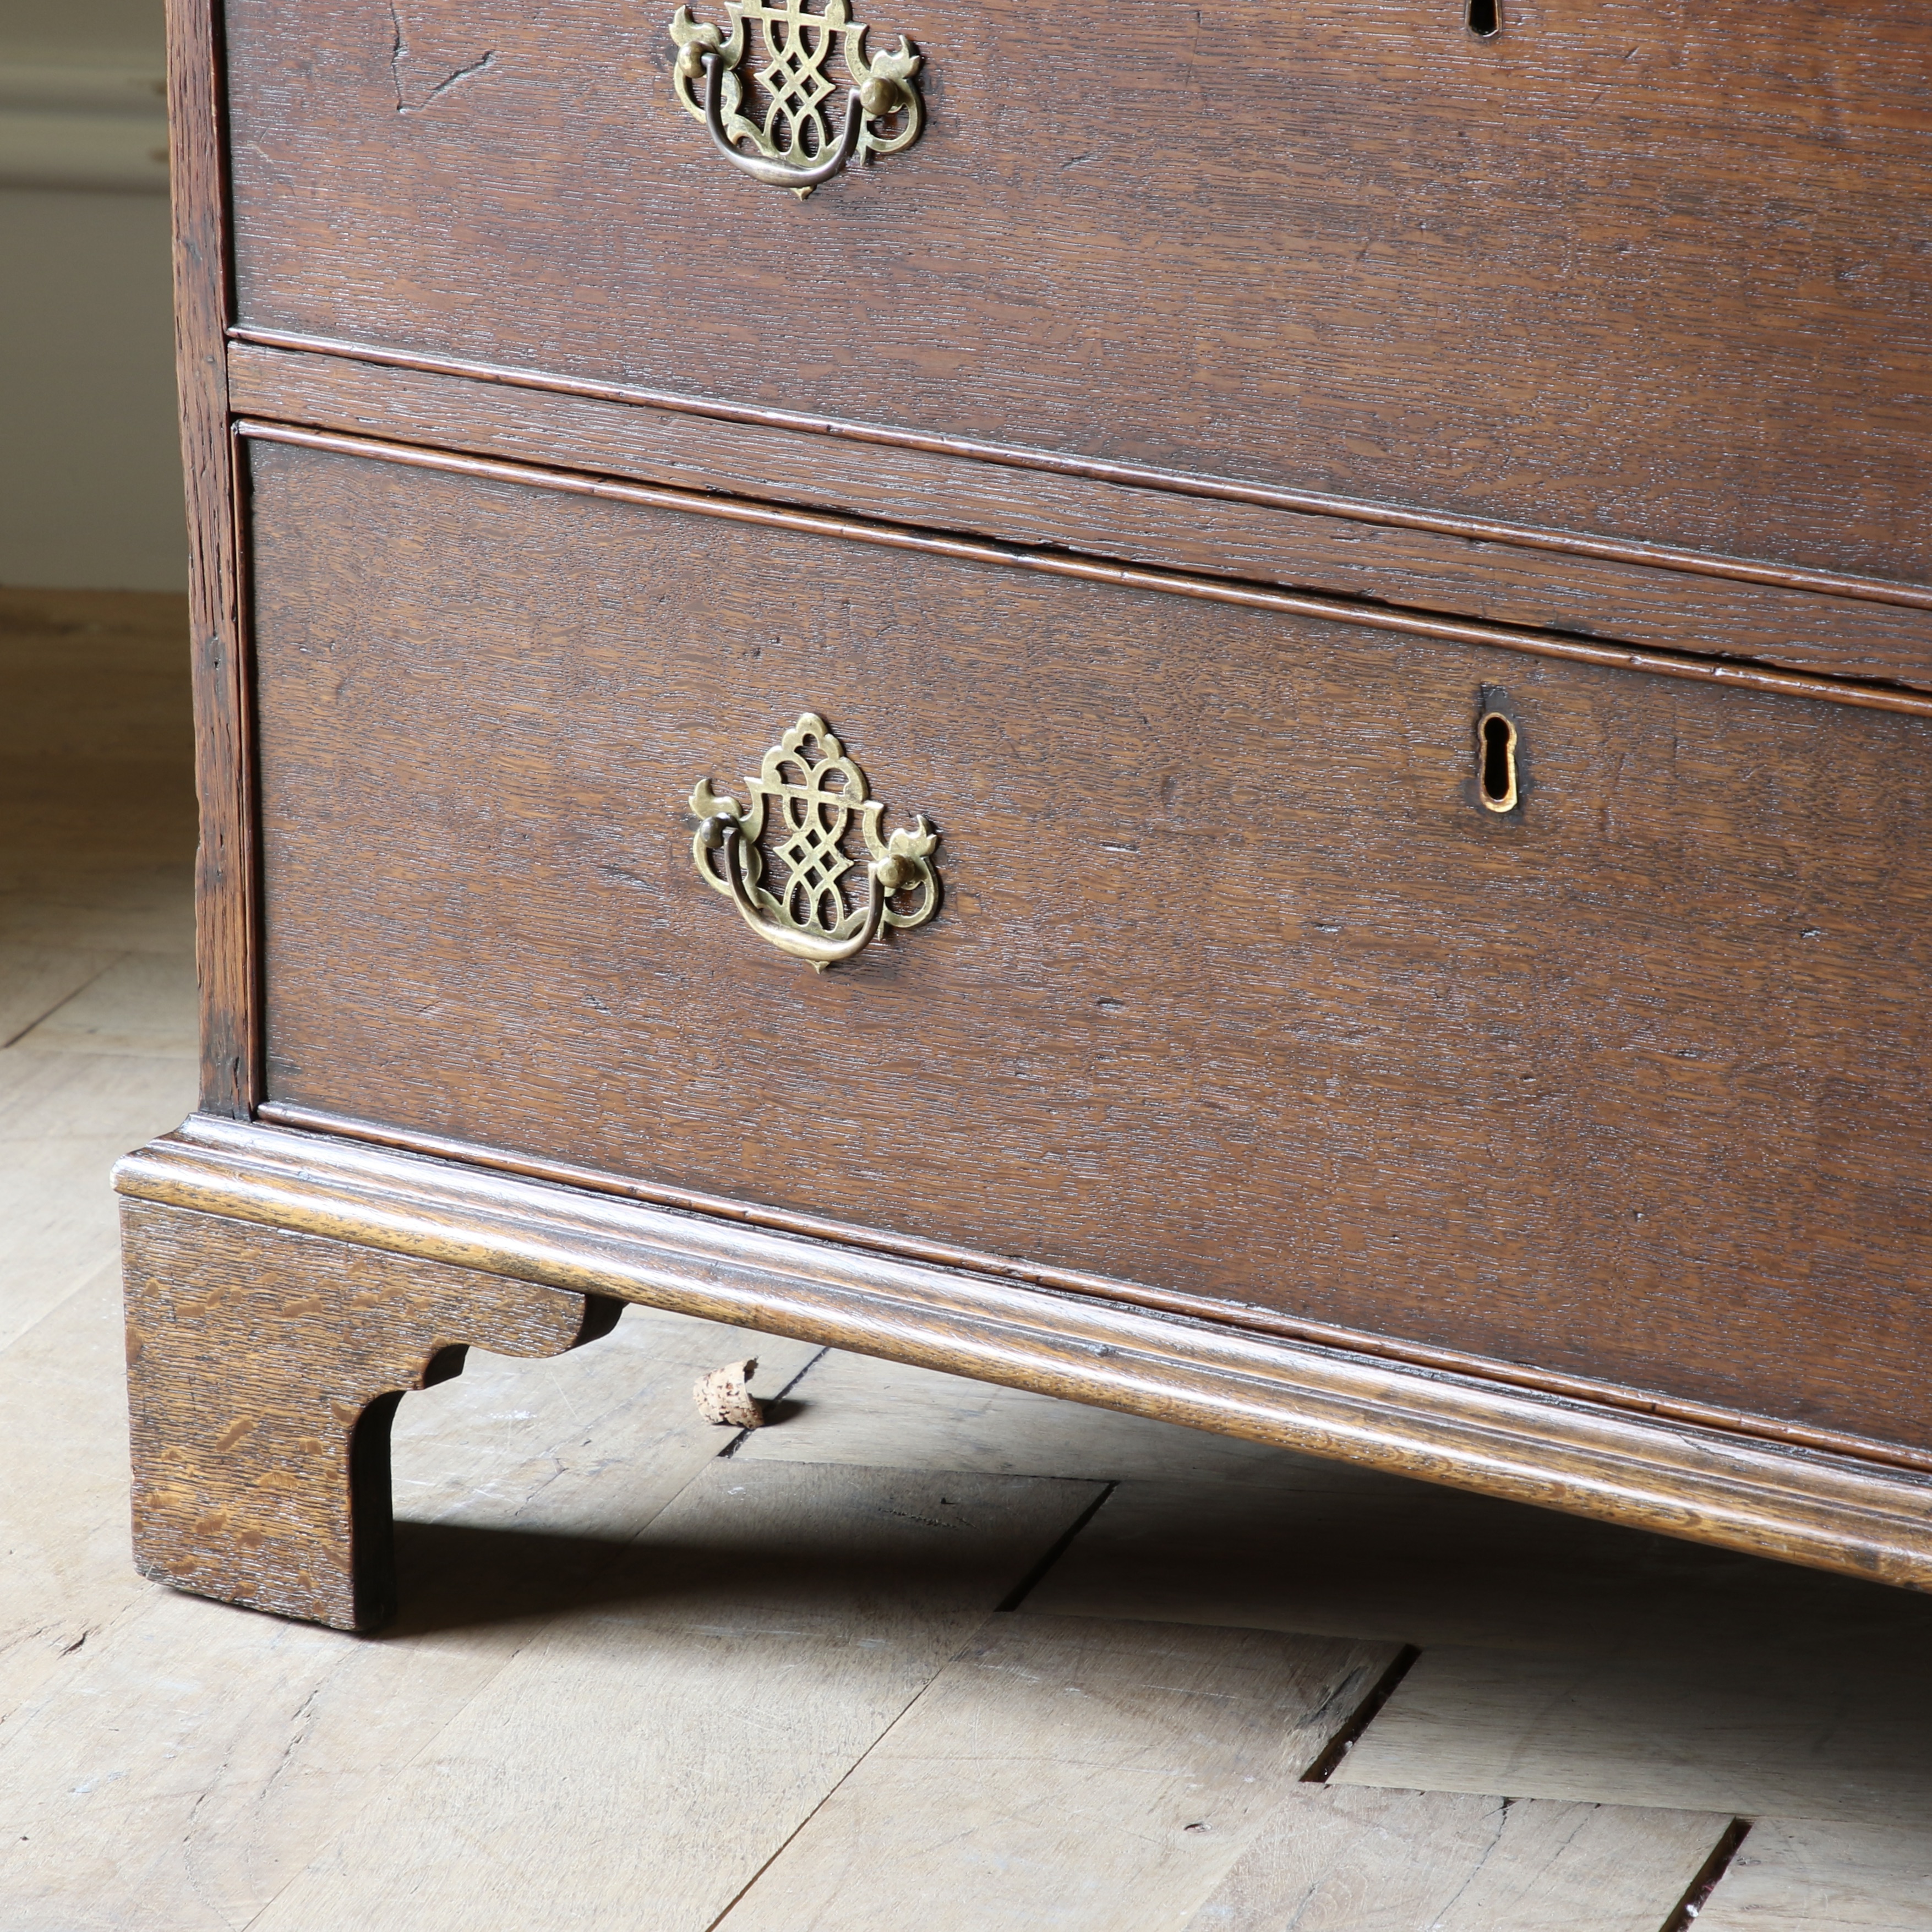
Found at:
(819, 794)
(794, 145)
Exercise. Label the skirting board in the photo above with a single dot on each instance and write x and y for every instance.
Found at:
(1832, 1512)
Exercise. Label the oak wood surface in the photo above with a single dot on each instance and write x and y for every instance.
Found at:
(63, 1438)
(263, 1369)
(1092, 1777)
(1344, 1860)
(226, 948)
(1347, 1550)
(1612, 270)
(773, 1624)
(1055, 563)
(1128, 475)
(1843, 1741)
(1792, 1875)
(254, 1743)
(1249, 997)
(1673, 609)
(1014, 1267)
(1860, 1516)
(173, 1763)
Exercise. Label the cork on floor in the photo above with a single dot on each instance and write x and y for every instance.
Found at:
(920, 1651)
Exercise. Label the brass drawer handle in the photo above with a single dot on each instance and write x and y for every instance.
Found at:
(808, 917)
(797, 43)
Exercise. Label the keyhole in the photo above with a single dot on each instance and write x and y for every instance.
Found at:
(1495, 740)
(1485, 18)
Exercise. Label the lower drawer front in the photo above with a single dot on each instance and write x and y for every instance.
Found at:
(1237, 987)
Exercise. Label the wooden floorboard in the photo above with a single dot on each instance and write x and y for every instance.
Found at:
(1343, 1861)
(1800, 1876)
(1375, 1555)
(638, 1683)
(64, 1575)
(35, 980)
(109, 907)
(1095, 1776)
(60, 1227)
(178, 1770)
(1840, 1728)
(140, 1005)
(771, 1625)
(596, 1442)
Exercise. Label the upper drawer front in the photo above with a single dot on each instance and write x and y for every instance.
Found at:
(1236, 988)
(1657, 272)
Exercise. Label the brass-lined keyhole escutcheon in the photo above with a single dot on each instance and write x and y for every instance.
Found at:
(1484, 18)
(1495, 758)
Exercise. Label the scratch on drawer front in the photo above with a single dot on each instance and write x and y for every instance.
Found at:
(399, 55)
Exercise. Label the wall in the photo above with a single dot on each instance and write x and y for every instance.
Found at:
(90, 464)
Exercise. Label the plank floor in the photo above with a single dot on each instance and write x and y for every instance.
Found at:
(851, 1672)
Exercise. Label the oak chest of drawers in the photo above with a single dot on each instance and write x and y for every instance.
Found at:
(1227, 711)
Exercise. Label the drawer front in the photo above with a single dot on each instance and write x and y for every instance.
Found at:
(1655, 274)
(1237, 988)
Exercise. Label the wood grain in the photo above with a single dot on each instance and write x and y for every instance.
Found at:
(1130, 475)
(1138, 522)
(65, 1120)
(1166, 1301)
(1794, 1875)
(1829, 1724)
(1835, 1513)
(1609, 271)
(226, 859)
(64, 1519)
(778, 1622)
(263, 1372)
(256, 1742)
(1338, 1861)
(1353, 1551)
(1252, 1002)
(1052, 562)
(857, 1408)
(140, 1005)
(253, 1743)
(1094, 1778)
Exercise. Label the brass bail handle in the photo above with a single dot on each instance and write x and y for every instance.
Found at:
(812, 796)
(722, 834)
(780, 174)
(794, 146)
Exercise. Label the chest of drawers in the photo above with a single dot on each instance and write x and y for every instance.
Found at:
(1227, 712)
